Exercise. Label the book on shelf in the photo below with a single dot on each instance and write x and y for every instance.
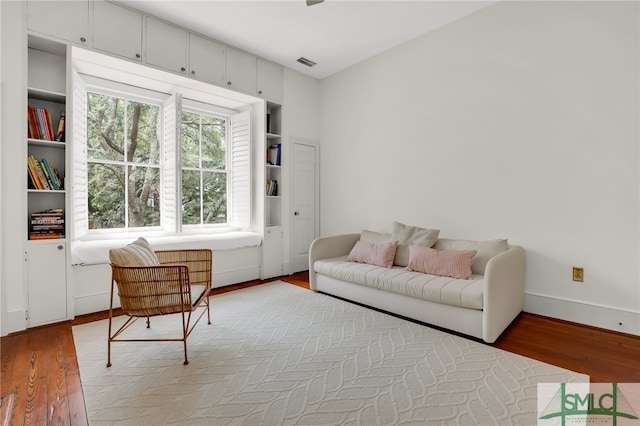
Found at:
(40, 125)
(272, 187)
(273, 154)
(47, 224)
(60, 135)
(43, 174)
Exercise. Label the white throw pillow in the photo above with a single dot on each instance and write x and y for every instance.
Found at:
(406, 235)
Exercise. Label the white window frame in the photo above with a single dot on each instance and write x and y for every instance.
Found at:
(239, 148)
(137, 94)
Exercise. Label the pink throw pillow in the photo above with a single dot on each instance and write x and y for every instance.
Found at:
(381, 254)
(445, 263)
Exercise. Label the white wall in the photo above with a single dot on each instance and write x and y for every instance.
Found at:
(14, 48)
(519, 121)
(301, 121)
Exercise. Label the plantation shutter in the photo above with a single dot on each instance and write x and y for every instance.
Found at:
(170, 179)
(77, 126)
(240, 186)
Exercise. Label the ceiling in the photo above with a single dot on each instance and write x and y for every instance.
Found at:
(336, 34)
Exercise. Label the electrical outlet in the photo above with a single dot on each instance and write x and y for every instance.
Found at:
(578, 274)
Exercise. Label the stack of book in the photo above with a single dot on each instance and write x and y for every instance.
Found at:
(272, 187)
(47, 225)
(41, 127)
(273, 155)
(43, 174)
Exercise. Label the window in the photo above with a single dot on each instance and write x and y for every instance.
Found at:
(144, 161)
(204, 168)
(123, 162)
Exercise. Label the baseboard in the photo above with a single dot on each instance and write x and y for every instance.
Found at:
(607, 317)
(16, 321)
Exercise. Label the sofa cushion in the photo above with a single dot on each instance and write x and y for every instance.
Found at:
(373, 237)
(381, 254)
(445, 263)
(137, 253)
(486, 250)
(450, 291)
(406, 235)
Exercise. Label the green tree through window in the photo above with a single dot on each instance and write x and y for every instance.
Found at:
(123, 155)
(204, 169)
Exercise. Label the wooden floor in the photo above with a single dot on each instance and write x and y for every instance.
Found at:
(40, 381)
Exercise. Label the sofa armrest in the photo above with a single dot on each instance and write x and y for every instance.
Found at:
(328, 247)
(503, 291)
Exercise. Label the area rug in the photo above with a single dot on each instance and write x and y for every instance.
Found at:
(280, 354)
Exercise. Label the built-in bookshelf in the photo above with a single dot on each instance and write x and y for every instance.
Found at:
(45, 163)
(273, 166)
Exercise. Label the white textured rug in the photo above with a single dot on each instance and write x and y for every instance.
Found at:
(279, 354)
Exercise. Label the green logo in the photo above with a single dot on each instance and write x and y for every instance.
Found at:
(565, 404)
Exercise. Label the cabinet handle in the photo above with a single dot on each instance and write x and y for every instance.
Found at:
(193, 72)
(228, 83)
(60, 247)
(82, 39)
(183, 69)
(259, 92)
(296, 213)
(138, 55)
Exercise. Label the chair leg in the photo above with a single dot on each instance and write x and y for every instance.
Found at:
(148, 322)
(208, 311)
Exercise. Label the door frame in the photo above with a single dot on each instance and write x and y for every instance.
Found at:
(316, 214)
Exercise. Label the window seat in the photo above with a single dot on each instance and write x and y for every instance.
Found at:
(94, 252)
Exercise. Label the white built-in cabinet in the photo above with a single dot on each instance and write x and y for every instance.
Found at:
(47, 282)
(241, 71)
(117, 30)
(206, 59)
(66, 20)
(46, 259)
(269, 80)
(166, 45)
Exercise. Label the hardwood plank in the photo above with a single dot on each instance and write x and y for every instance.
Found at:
(18, 381)
(8, 348)
(76, 408)
(41, 380)
(58, 408)
(37, 402)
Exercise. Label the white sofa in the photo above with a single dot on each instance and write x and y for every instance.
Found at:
(482, 306)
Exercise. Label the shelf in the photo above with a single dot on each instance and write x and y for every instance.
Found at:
(46, 143)
(273, 136)
(46, 95)
(49, 191)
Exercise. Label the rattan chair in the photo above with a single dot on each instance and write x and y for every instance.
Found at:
(179, 285)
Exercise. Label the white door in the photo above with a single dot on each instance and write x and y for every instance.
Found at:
(305, 204)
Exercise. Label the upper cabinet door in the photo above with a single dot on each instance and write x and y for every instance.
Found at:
(117, 30)
(67, 20)
(269, 80)
(166, 46)
(206, 59)
(241, 71)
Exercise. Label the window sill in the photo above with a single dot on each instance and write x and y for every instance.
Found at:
(96, 251)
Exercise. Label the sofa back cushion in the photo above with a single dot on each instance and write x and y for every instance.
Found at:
(380, 254)
(406, 235)
(444, 263)
(485, 250)
(373, 237)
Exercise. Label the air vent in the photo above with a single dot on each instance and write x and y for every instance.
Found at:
(305, 61)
